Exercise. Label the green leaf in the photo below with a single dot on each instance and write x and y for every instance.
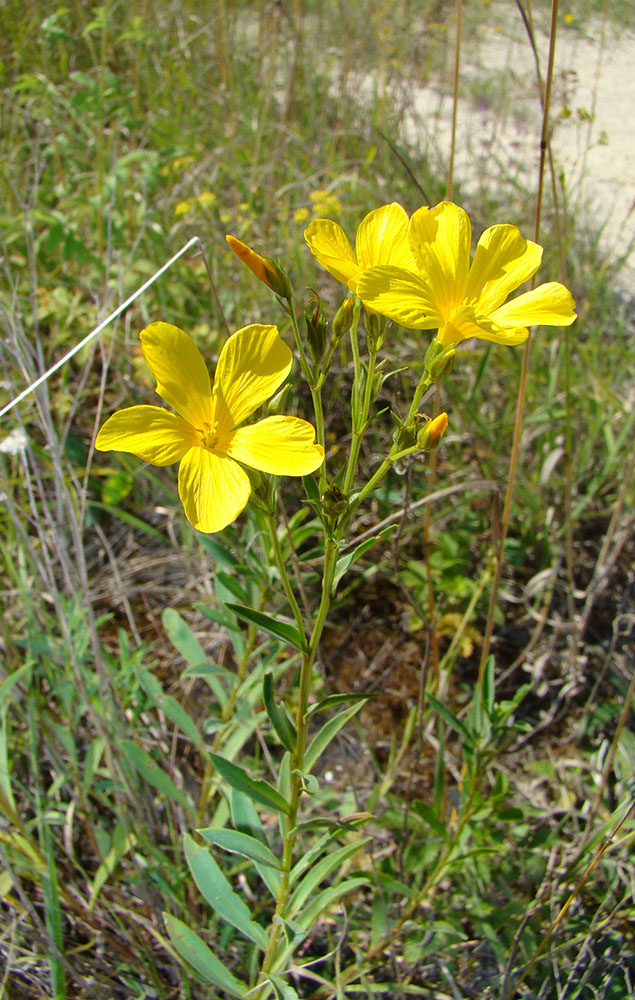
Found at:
(217, 616)
(311, 488)
(336, 699)
(219, 893)
(282, 990)
(322, 739)
(240, 843)
(232, 585)
(169, 706)
(225, 559)
(122, 842)
(428, 814)
(266, 623)
(134, 522)
(326, 898)
(279, 718)
(346, 561)
(255, 788)
(196, 953)
(489, 685)
(116, 487)
(14, 678)
(247, 821)
(292, 931)
(321, 871)
(182, 638)
(153, 773)
(444, 712)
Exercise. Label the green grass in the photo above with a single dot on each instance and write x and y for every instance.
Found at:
(111, 124)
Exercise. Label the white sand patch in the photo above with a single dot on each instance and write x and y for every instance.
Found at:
(499, 123)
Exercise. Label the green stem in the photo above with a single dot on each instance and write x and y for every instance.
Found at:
(360, 420)
(297, 760)
(315, 387)
(373, 482)
(424, 384)
(282, 570)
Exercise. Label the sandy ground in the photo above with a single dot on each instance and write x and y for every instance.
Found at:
(593, 122)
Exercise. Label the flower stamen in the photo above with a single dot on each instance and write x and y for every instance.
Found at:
(208, 434)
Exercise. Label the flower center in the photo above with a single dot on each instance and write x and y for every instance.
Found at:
(209, 434)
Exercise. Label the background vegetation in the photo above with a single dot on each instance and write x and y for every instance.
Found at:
(123, 133)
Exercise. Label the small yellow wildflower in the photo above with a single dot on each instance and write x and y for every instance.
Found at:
(301, 215)
(463, 300)
(204, 433)
(325, 203)
(206, 199)
(183, 207)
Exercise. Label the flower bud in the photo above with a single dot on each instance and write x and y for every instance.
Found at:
(439, 360)
(343, 318)
(277, 405)
(334, 502)
(272, 274)
(404, 437)
(316, 328)
(429, 436)
(375, 328)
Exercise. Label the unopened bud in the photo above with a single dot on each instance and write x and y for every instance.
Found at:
(316, 328)
(343, 318)
(276, 405)
(334, 502)
(404, 437)
(265, 269)
(375, 328)
(429, 436)
(439, 360)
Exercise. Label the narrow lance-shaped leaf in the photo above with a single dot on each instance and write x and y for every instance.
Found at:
(279, 718)
(240, 843)
(153, 773)
(325, 899)
(196, 953)
(255, 788)
(321, 871)
(322, 739)
(273, 626)
(219, 893)
(183, 639)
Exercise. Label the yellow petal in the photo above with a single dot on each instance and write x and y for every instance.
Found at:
(152, 434)
(178, 366)
(466, 322)
(254, 261)
(502, 262)
(213, 489)
(280, 445)
(382, 238)
(331, 247)
(550, 304)
(253, 363)
(401, 295)
(440, 238)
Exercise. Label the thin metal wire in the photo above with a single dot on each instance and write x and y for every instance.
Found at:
(94, 333)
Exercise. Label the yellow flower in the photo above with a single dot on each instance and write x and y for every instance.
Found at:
(382, 238)
(206, 199)
(460, 300)
(183, 207)
(301, 214)
(204, 433)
